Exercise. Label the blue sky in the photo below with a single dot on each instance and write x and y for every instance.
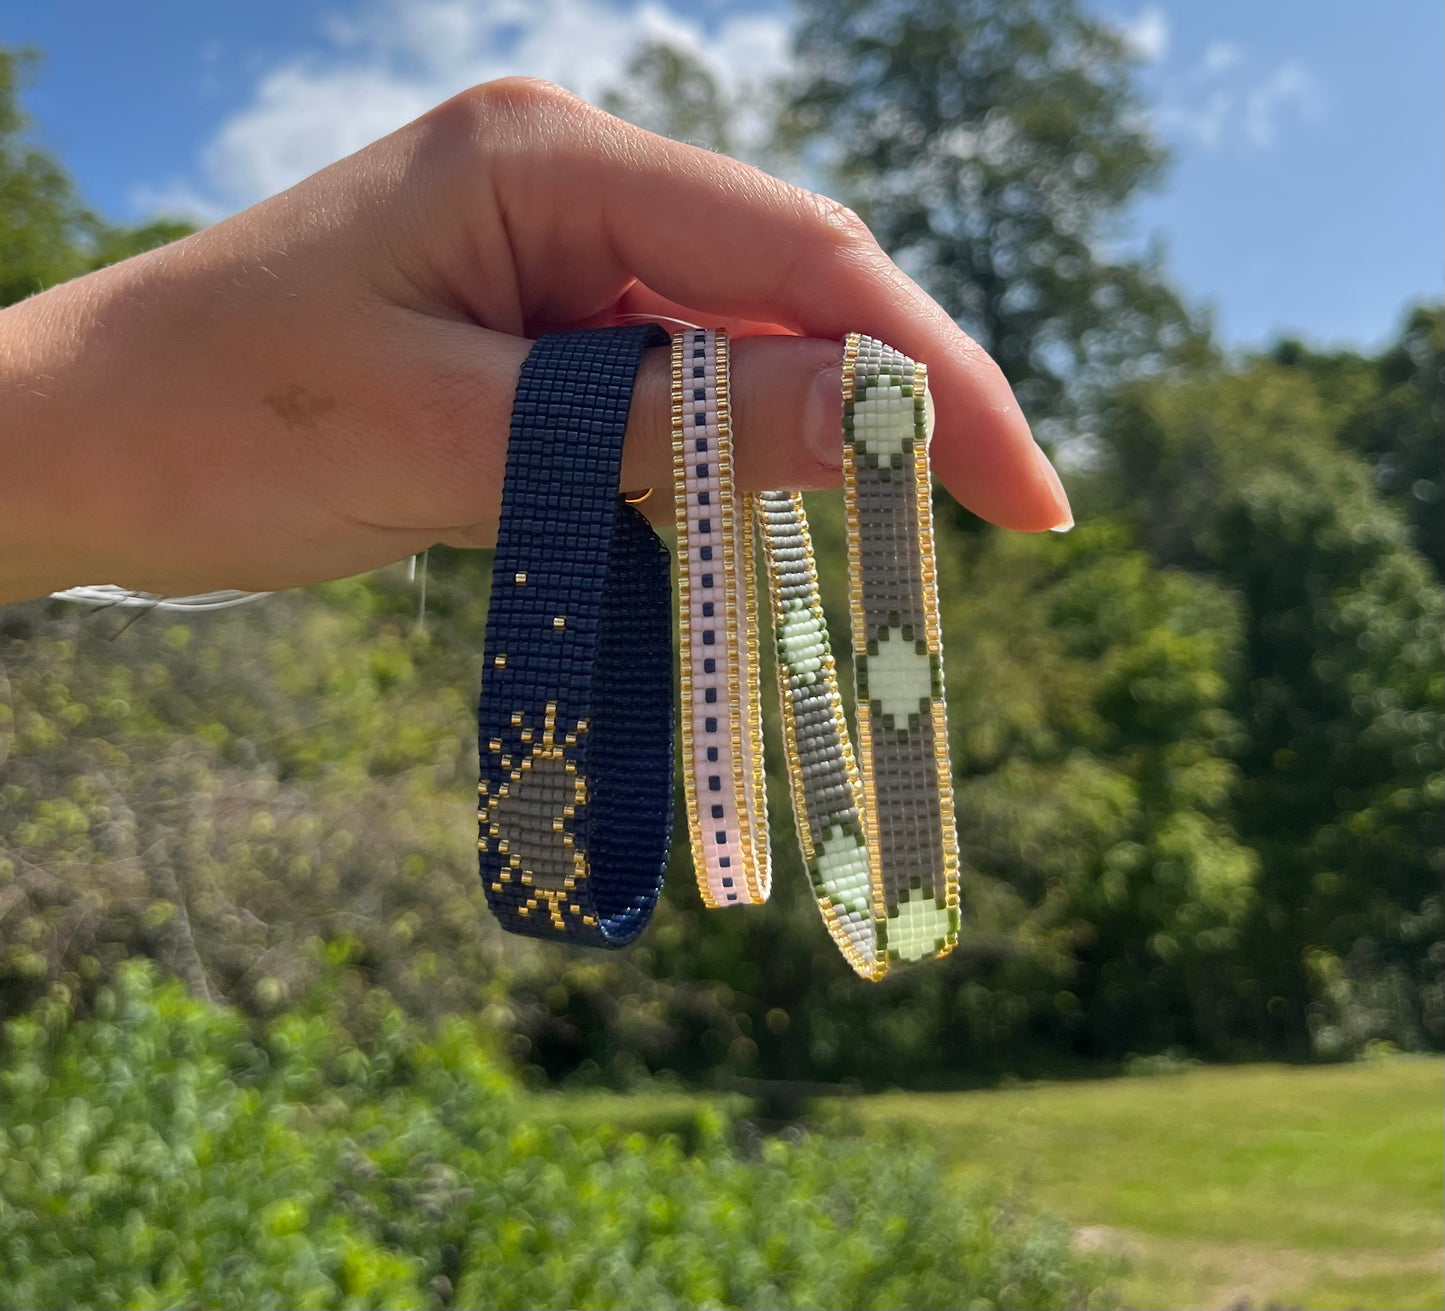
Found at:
(1306, 195)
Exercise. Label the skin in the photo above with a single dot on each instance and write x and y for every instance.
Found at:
(323, 383)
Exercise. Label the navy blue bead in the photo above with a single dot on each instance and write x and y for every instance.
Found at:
(594, 561)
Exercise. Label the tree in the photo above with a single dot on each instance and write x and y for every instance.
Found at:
(1392, 412)
(42, 224)
(671, 92)
(992, 146)
(1340, 697)
(1401, 430)
(46, 234)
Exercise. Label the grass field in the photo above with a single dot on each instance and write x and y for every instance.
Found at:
(1263, 1186)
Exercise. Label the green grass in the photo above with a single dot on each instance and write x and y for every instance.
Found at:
(1318, 1188)
(1315, 1188)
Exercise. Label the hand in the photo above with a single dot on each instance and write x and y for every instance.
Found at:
(323, 383)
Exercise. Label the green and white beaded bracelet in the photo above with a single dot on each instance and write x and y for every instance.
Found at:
(822, 770)
(877, 832)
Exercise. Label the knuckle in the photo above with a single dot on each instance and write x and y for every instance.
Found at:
(842, 223)
(508, 107)
(520, 94)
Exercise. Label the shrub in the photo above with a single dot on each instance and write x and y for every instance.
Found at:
(160, 1153)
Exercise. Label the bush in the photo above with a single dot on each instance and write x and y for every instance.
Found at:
(160, 1153)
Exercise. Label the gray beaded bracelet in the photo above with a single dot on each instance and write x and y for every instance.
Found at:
(877, 830)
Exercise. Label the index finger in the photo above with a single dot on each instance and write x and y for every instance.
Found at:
(723, 238)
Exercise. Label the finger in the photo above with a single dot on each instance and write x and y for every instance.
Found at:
(640, 303)
(716, 235)
(785, 397)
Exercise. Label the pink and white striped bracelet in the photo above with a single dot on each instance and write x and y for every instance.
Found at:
(721, 723)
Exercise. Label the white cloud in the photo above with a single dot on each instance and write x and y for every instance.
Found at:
(391, 60)
(1220, 102)
(177, 198)
(1290, 87)
(1220, 56)
(1204, 120)
(1147, 35)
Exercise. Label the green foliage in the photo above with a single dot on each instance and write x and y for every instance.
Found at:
(1392, 412)
(1104, 890)
(1197, 742)
(1341, 699)
(162, 1154)
(668, 91)
(47, 235)
(41, 222)
(992, 146)
(1400, 429)
(220, 793)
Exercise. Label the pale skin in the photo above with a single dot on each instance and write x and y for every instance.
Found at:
(323, 383)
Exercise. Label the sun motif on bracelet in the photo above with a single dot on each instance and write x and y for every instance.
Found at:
(531, 819)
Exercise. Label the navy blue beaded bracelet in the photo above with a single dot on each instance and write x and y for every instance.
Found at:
(575, 724)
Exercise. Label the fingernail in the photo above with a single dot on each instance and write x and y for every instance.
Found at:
(823, 417)
(1061, 497)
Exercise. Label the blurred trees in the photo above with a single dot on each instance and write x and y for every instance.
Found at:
(165, 1153)
(46, 234)
(1396, 418)
(668, 91)
(1197, 741)
(993, 147)
(1250, 477)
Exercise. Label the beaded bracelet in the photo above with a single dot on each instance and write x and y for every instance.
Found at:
(721, 726)
(575, 723)
(908, 818)
(822, 770)
(879, 842)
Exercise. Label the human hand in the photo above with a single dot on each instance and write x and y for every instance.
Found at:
(323, 383)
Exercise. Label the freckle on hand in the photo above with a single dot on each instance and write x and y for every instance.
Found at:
(296, 409)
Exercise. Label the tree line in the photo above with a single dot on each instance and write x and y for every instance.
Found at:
(1197, 741)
